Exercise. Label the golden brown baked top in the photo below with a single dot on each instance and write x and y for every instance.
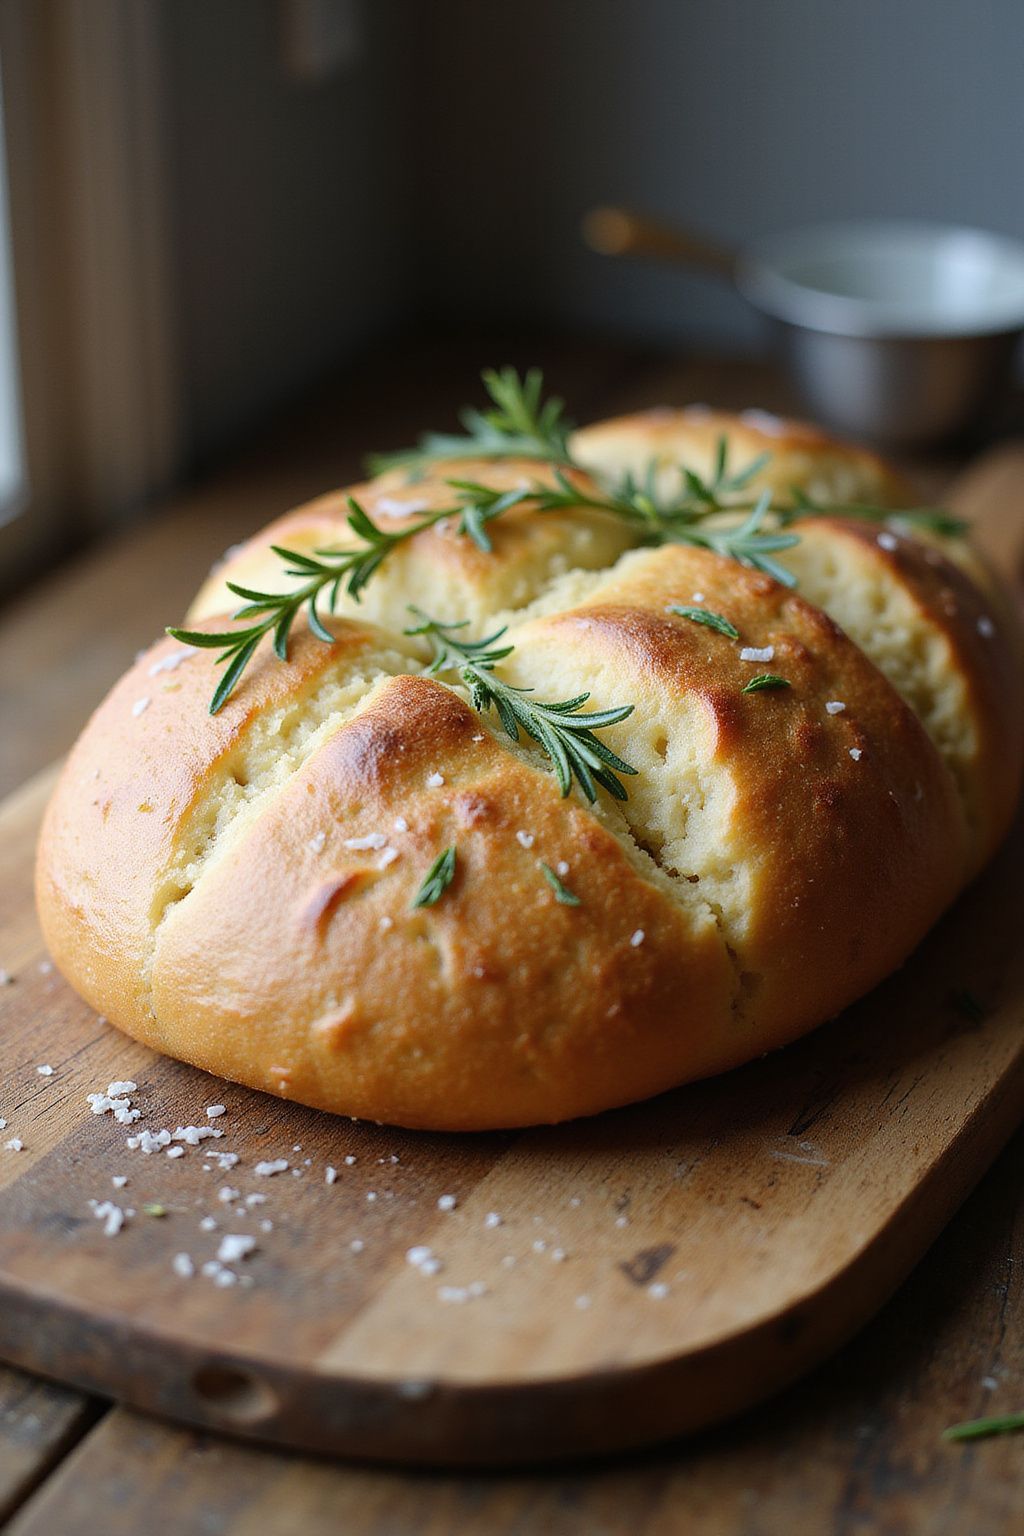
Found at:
(242, 889)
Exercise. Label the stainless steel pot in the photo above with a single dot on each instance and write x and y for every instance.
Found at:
(904, 333)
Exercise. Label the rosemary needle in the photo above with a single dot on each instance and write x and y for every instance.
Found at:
(438, 878)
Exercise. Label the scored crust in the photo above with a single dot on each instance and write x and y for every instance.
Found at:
(238, 890)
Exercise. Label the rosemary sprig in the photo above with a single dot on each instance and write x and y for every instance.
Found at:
(274, 613)
(980, 1429)
(437, 879)
(931, 519)
(684, 519)
(565, 735)
(520, 423)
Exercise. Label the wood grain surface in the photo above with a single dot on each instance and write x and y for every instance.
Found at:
(776, 1208)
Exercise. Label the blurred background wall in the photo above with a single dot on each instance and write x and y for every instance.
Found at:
(440, 170)
(215, 204)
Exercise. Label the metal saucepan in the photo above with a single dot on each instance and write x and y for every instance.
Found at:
(904, 333)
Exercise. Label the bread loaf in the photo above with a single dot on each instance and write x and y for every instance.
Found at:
(239, 890)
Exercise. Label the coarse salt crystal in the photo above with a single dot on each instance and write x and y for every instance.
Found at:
(350, 1160)
(855, 753)
(357, 1245)
(3, 1124)
(435, 780)
(139, 707)
(117, 1090)
(562, 868)
(224, 1160)
(45, 967)
(46, 1071)
(182, 1265)
(316, 842)
(418, 1255)
(698, 597)
(659, 1290)
(330, 1174)
(371, 840)
(637, 938)
(174, 1152)
(255, 1199)
(169, 663)
(148, 1141)
(235, 1246)
(835, 706)
(985, 627)
(194, 1134)
(6, 979)
(524, 839)
(400, 824)
(208, 1224)
(492, 1219)
(386, 923)
(226, 1194)
(888, 541)
(757, 653)
(14, 1145)
(119, 1180)
(268, 1169)
(447, 1203)
(214, 1111)
(111, 1215)
(387, 857)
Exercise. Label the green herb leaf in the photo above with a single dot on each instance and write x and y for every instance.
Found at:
(152, 1209)
(565, 735)
(765, 680)
(520, 423)
(324, 572)
(706, 617)
(438, 878)
(980, 1429)
(562, 892)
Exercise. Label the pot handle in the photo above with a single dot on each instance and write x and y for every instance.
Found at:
(621, 232)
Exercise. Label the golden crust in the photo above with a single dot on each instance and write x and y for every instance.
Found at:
(237, 891)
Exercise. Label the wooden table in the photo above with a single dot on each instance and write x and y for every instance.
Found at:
(855, 1449)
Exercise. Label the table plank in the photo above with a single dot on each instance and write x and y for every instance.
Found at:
(854, 1449)
(39, 1421)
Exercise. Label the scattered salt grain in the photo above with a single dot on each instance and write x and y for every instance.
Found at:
(208, 1224)
(357, 1245)
(985, 627)
(757, 653)
(255, 1199)
(562, 868)
(235, 1246)
(112, 1216)
(174, 1152)
(371, 1195)
(540, 1246)
(637, 938)
(350, 1160)
(45, 967)
(266, 1226)
(6, 979)
(182, 1265)
(192, 1135)
(424, 1259)
(224, 1160)
(855, 753)
(169, 663)
(330, 1174)
(267, 1170)
(622, 1221)
(435, 780)
(139, 707)
(558, 1255)
(835, 706)
(214, 1111)
(447, 1203)
(371, 840)
(492, 1219)
(386, 923)
(226, 1195)
(659, 1290)
(316, 842)
(387, 857)
(888, 541)
(147, 1141)
(582, 1302)
(3, 1124)
(524, 839)
(400, 824)
(46, 1071)
(14, 1145)
(698, 597)
(119, 1180)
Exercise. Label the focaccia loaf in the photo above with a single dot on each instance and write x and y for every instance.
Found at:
(238, 890)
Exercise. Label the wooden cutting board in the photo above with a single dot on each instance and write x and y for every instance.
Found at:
(600, 1285)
